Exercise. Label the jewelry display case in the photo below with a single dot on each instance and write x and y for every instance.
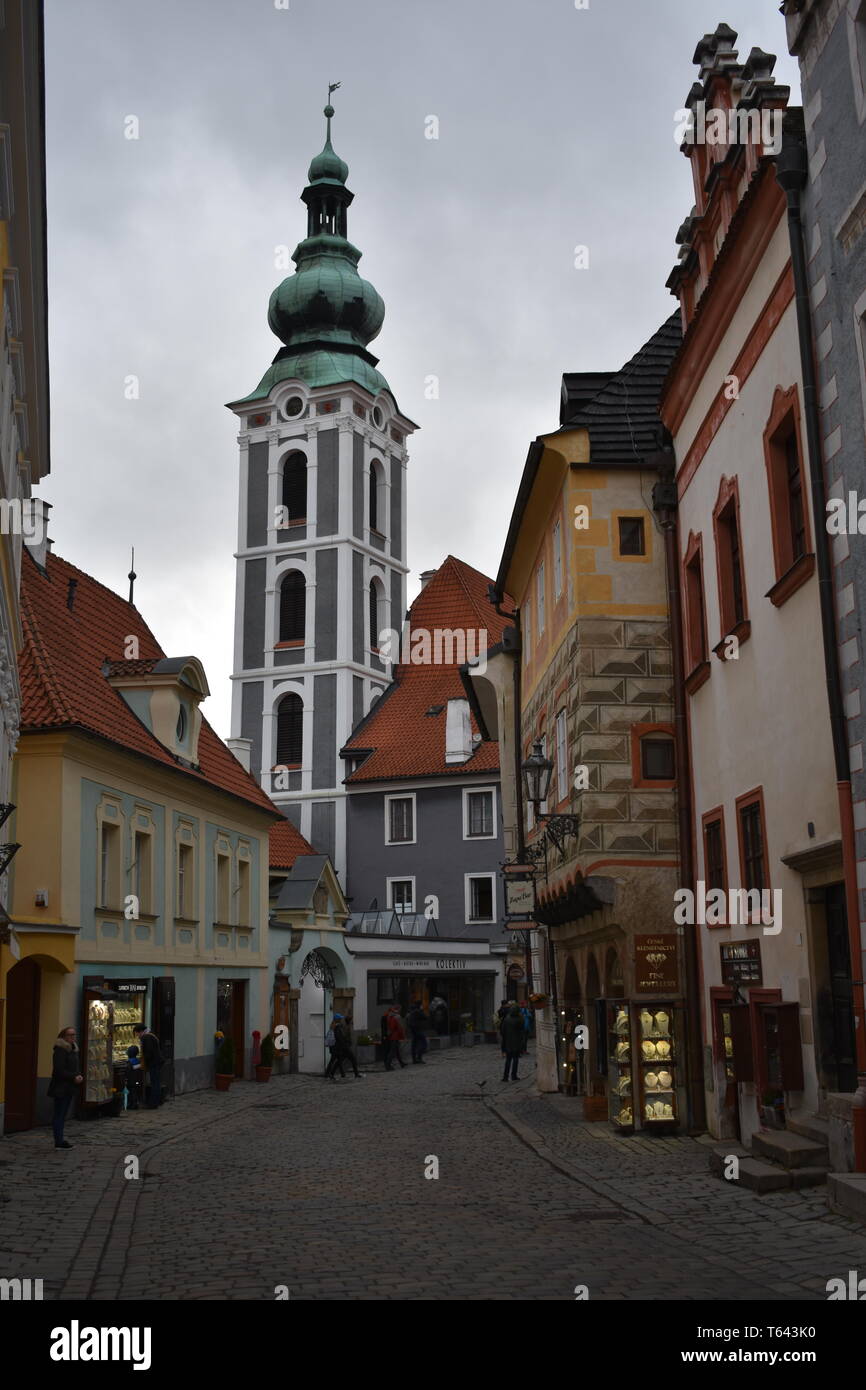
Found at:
(621, 1095)
(657, 1065)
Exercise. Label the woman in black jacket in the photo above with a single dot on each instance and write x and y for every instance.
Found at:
(65, 1079)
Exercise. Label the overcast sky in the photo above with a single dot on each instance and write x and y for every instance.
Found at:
(555, 130)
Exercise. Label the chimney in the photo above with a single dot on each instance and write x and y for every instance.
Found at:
(242, 748)
(34, 512)
(458, 732)
(426, 576)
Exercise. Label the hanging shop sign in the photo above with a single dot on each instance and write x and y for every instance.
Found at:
(127, 986)
(515, 972)
(519, 899)
(741, 962)
(655, 964)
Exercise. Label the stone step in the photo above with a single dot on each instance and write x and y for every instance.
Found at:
(720, 1153)
(791, 1150)
(846, 1193)
(808, 1177)
(811, 1127)
(762, 1177)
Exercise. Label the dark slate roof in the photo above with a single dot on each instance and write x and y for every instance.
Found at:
(297, 891)
(622, 417)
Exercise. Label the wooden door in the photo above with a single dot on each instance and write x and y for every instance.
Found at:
(22, 1044)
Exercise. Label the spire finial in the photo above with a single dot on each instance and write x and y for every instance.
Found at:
(132, 576)
(329, 110)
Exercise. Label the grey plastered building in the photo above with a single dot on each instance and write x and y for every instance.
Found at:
(829, 39)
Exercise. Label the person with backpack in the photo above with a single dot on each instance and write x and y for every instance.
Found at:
(345, 1051)
(66, 1077)
(513, 1034)
(332, 1043)
(153, 1059)
(416, 1019)
(393, 1033)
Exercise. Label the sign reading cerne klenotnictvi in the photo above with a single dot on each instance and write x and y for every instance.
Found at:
(655, 965)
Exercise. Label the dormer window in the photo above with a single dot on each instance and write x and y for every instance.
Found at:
(165, 694)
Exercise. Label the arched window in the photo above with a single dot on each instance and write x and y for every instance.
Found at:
(293, 607)
(373, 616)
(377, 499)
(290, 731)
(295, 487)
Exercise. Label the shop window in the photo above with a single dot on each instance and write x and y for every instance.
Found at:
(480, 898)
(386, 989)
(185, 882)
(783, 456)
(223, 888)
(293, 607)
(557, 560)
(539, 593)
(653, 756)
(752, 834)
(295, 488)
(290, 731)
(401, 894)
(729, 560)
(244, 890)
(715, 873)
(109, 865)
(400, 820)
(479, 815)
(695, 615)
(632, 540)
(561, 727)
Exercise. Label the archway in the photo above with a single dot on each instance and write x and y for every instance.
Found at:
(322, 973)
(575, 1054)
(24, 987)
(613, 974)
(597, 1021)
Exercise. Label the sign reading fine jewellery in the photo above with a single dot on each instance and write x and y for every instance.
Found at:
(655, 965)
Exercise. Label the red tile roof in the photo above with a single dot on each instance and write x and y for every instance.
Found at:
(286, 844)
(407, 742)
(62, 680)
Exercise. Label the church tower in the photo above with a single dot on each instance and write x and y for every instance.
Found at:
(321, 558)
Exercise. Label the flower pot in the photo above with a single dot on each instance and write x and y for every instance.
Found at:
(222, 1082)
(263, 1073)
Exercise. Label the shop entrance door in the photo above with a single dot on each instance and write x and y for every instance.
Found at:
(842, 1047)
(231, 1016)
(22, 1042)
(163, 1027)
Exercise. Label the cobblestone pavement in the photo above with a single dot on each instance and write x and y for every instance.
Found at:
(321, 1187)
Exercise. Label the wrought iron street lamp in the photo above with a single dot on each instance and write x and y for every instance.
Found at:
(537, 771)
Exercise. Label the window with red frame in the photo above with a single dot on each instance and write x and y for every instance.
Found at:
(788, 506)
(714, 856)
(696, 621)
(657, 761)
(752, 842)
(732, 592)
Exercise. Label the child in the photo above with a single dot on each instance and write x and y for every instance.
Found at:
(133, 1078)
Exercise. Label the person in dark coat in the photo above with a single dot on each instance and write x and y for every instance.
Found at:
(513, 1034)
(393, 1034)
(416, 1019)
(153, 1059)
(66, 1077)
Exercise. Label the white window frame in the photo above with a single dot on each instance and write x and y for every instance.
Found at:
(221, 853)
(561, 728)
(467, 891)
(539, 597)
(479, 791)
(557, 560)
(401, 796)
(543, 807)
(389, 892)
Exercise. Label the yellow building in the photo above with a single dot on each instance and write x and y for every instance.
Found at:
(585, 561)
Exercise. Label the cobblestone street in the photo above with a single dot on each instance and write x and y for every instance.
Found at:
(321, 1187)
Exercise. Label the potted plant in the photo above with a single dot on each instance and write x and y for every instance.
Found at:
(225, 1064)
(266, 1060)
(539, 1001)
(773, 1109)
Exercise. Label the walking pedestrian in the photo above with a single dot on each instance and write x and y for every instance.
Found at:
(345, 1051)
(513, 1034)
(393, 1033)
(416, 1019)
(153, 1059)
(439, 1014)
(526, 1015)
(66, 1077)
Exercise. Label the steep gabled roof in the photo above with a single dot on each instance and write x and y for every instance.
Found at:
(405, 739)
(622, 416)
(286, 843)
(72, 625)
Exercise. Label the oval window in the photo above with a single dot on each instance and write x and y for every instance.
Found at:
(378, 417)
(294, 405)
(181, 725)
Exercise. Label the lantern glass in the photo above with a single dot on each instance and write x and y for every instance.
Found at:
(537, 772)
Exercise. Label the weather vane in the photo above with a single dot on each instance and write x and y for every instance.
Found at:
(332, 88)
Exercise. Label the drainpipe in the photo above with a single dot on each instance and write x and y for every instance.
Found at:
(665, 507)
(792, 172)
